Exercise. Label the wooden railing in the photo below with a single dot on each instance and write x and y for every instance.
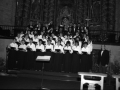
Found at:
(97, 36)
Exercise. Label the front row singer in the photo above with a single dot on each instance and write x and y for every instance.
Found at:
(86, 59)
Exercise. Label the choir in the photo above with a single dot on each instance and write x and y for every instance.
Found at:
(74, 42)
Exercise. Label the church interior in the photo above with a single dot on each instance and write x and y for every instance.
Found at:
(60, 44)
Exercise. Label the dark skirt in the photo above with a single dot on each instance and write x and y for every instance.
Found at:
(38, 64)
(30, 60)
(20, 58)
(58, 57)
(11, 62)
(75, 63)
(67, 58)
(48, 65)
(85, 63)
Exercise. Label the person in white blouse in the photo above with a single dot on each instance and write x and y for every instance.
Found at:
(13, 45)
(44, 40)
(85, 48)
(18, 38)
(26, 38)
(68, 39)
(31, 35)
(35, 39)
(49, 46)
(76, 47)
(40, 36)
(58, 46)
(68, 47)
(31, 45)
(40, 46)
(22, 46)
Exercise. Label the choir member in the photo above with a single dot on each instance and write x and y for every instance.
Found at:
(30, 26)
(40, 49)
(35, 39)
(13, 45)
(30, 55)
(68, 39)
(58, 47)
(31, 45)
(67, 57)
(49, 49)
(21, 54)
(85, 58)
(58, 57)
(21, 34)
(18, 38)
(44, 39)
(40, 46)
(40, 36)
(26, 39)
(76, 48)
(31, 34)
(76, 57)
(49, 46)
(12, 55)
(22, 46)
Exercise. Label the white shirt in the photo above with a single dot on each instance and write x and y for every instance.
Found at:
(31, 35)
(49, 47)
(32, 46)
(68, 48)
(35, 40)
(90, 46)
(101, 52)
(44, 41)
(23, 46)
(21, 35)
(14, 45)
(41, 47)
(76, 48)
(53, 42)
(27, 40)
(59, 47)
(18, 39)
(40, 37)
(86, 50)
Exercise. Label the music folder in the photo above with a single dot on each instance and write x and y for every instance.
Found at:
(67, 51)
(43, 58)
(29, 49)
(38, 50)
(57, 50)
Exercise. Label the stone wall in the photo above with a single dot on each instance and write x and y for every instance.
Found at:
(7, 12)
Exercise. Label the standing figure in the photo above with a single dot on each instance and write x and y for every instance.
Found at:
(76, 57)
(67, 57)
(103, 56)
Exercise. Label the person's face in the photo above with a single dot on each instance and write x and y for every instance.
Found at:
(49, 42)
(23, 42)
(31, 41)
(40, 42)
(35, 36)
(18, 35)
(76, 44)
(14, 40)
(43, 28)
(28, 32)
(58, 43)
(85, 45)
(103, 47)
(70, 29)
